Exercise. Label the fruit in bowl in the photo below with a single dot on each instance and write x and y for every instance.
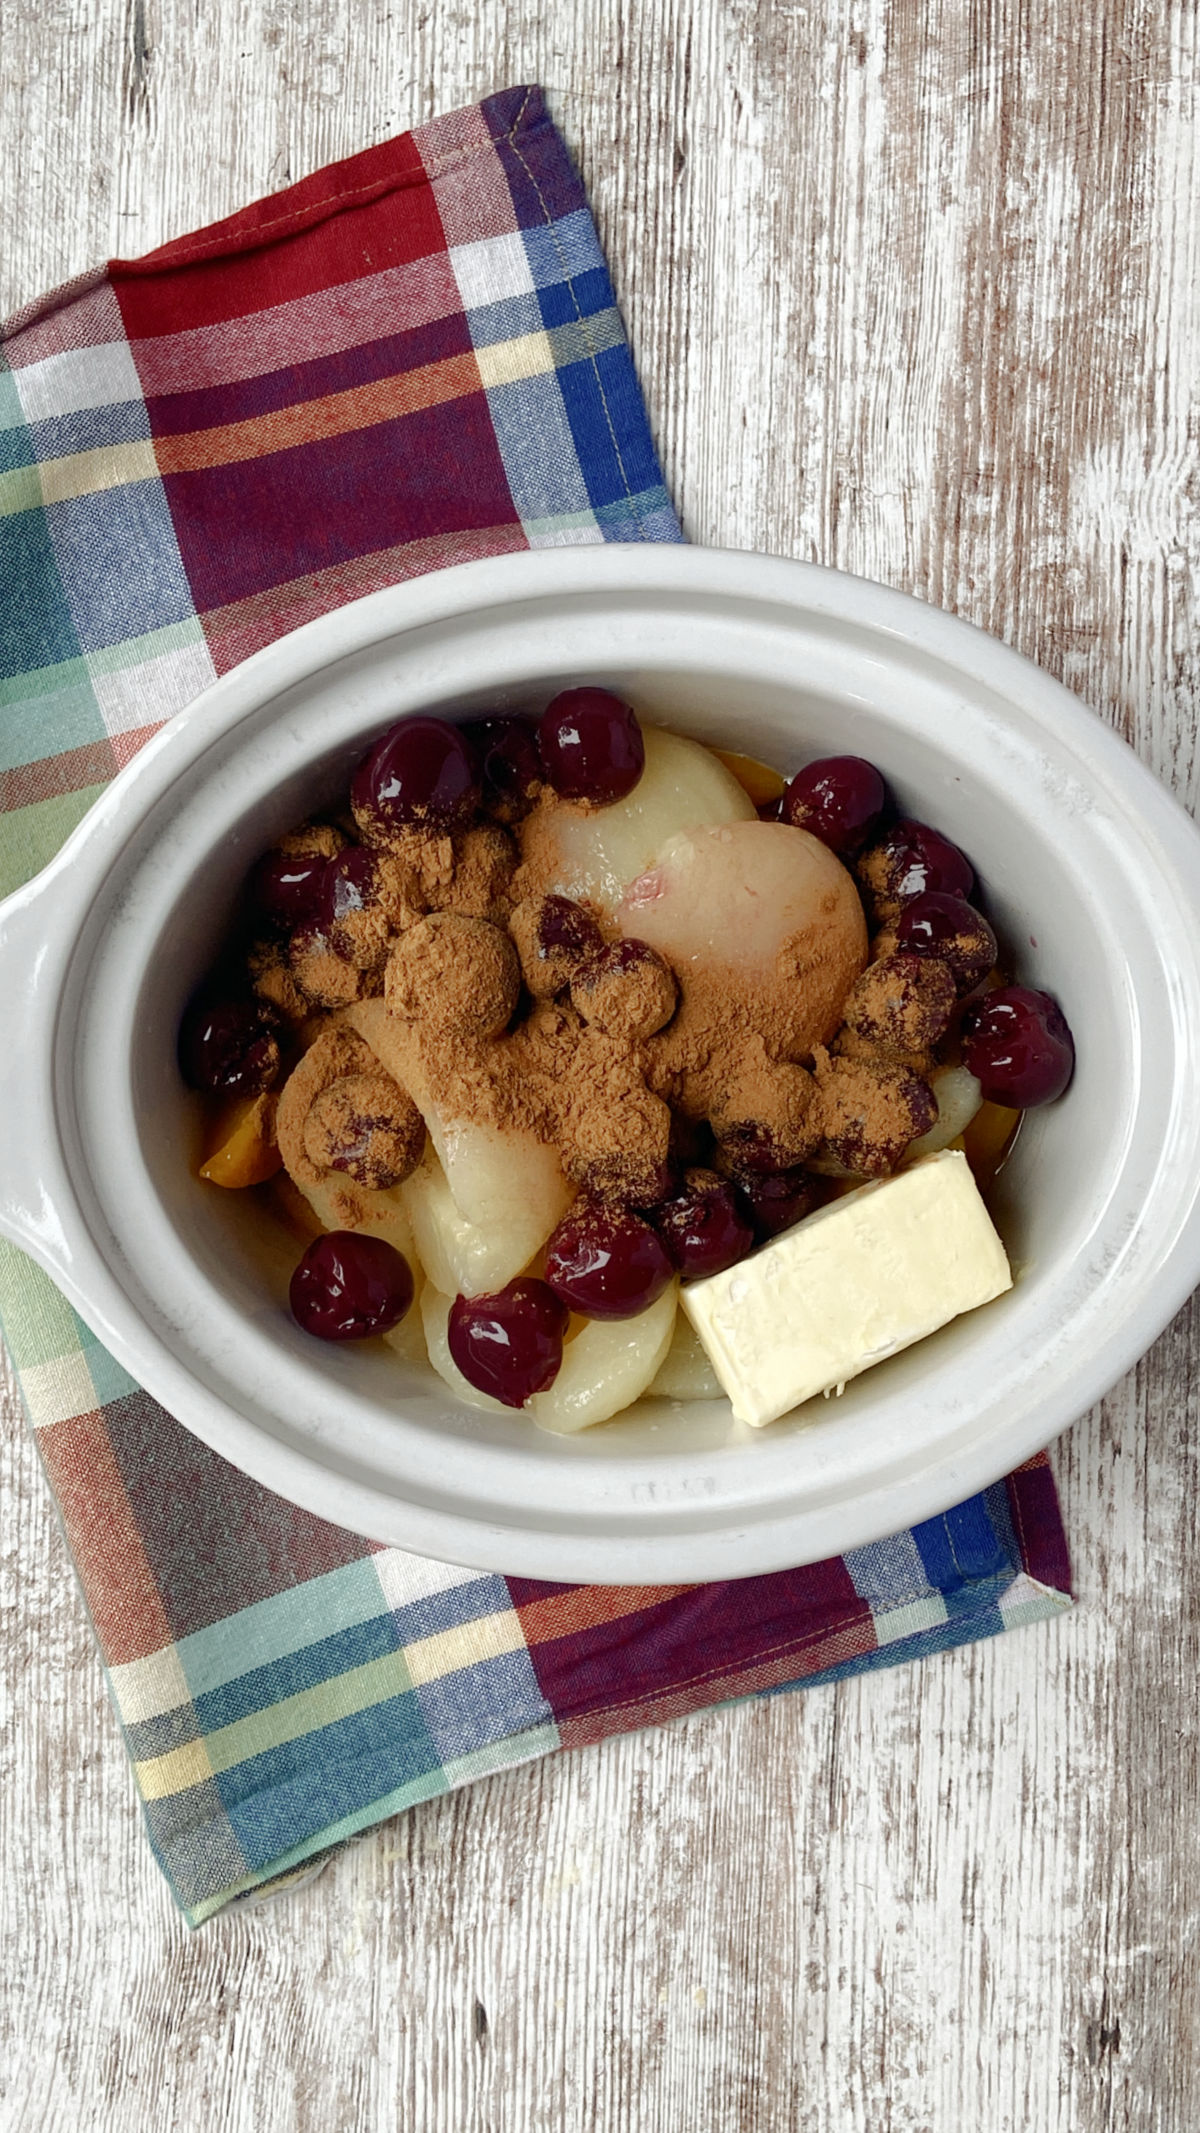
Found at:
(186, 1283)
(551, 1028)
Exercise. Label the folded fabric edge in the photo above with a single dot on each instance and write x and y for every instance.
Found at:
(294, 208)
(379, 170)
(1023, 1603)
(56, 299)
(911, 1630)
(521, 1748)
(336, 1835)
(1038, 1524)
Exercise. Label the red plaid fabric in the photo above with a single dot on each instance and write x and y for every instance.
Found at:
(408, 360)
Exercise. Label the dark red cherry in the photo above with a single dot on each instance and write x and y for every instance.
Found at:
(606, 1263)
(509, 764)
(953, 931)
(350, 883)
(751, 1150)
(692, 1144)
(626, 989)
(839, 799)
(348, 1287)
(422, 772)
(918, 858)
(1019, 1048)
(775, 1203)
(565, 929)
(289, 892)
(591, 746)
(228, 1047)
(703, 1227)
(509, 1345)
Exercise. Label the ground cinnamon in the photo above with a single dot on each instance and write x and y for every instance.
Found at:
(504, 1004)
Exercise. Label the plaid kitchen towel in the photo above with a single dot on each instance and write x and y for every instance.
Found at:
(408, 360)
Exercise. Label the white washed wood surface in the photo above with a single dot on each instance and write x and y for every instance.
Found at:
(913, 289)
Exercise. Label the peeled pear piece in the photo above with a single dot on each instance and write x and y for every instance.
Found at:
(685, 1373)
(435, 1320)
(764, 903)
(958, 1099)
(407, 1340)
(502, 1180)
(595, 856)
(734, 893)
(505, 1181)
(609, 1364)
(470, 1258)
(382, 1214)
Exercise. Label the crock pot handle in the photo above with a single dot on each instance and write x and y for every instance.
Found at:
(29, 1158)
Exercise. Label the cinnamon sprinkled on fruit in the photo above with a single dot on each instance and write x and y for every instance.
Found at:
(456, 975)
(438, 960)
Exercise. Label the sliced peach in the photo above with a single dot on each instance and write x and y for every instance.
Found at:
(757, 780)
(241, 1149)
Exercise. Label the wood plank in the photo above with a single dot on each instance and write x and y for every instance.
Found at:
(912, 286)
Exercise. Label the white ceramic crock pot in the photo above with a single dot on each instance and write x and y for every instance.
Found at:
(1092, 876)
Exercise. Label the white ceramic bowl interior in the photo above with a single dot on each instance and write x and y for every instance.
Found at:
(1089, 871)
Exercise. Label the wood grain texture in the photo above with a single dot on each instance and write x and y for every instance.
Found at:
(913, 288)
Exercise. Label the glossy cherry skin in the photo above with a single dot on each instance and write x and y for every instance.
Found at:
(953, 931)
(350, 883)
(776, 1203)
(703, 1227)
(228, 1047)
(606, 1263)
(421, 772)
(920, 858)
(839, 799)
(348, 1287)
(591, 746)
(509, 1345)
(509, 764)
(290, 892)
(1019, 1048)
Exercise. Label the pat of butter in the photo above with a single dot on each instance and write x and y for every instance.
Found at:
(855, 1282)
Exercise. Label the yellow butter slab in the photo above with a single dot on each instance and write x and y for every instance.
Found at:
(855, 1282)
